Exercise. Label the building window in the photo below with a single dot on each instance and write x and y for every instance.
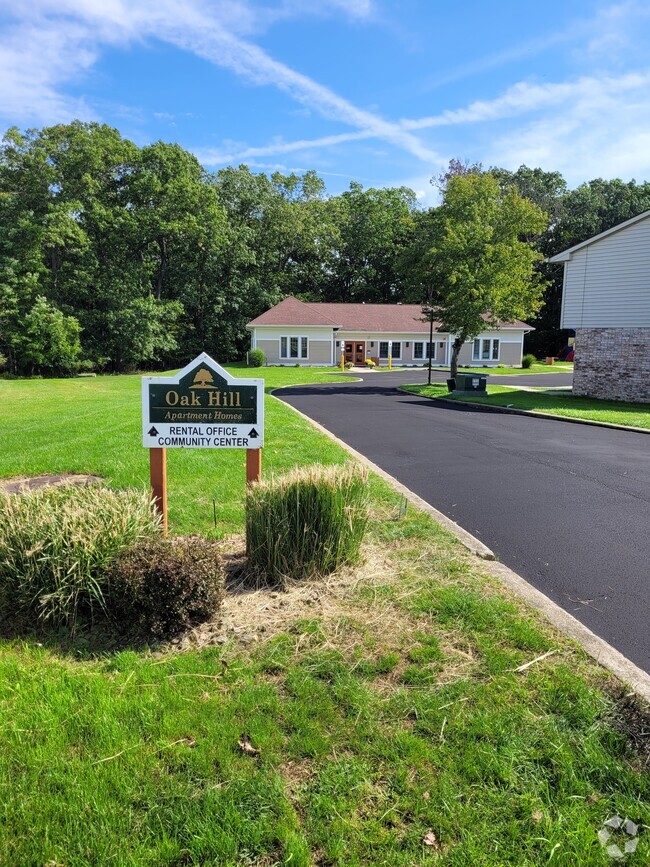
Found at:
(396, 349)
(424, 351)
(294, 347)
(486, 349)
(383, 349)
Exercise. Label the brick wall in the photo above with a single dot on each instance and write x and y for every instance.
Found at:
(613, 363)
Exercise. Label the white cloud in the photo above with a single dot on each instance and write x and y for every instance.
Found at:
(597, 123)
(34, 63)
(599, 134)
(525, 97)
(206, 32)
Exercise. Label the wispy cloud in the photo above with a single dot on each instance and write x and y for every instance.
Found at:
(204, 32)
(525, 97)
(35, 63)
(597, 122)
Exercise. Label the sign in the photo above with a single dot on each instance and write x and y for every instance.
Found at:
(202, 407)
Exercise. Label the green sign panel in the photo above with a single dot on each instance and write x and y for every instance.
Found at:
(202, 407)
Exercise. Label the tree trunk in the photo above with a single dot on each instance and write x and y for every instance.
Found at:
(456, 346)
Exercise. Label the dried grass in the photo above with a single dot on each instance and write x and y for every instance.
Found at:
(347, 620)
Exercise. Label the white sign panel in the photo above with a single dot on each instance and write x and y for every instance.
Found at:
(202, 407)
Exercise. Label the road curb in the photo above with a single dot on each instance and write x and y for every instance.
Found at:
(602, 652)
(487, 407)
(470, 542)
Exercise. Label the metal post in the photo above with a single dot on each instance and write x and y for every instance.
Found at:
(430, 340)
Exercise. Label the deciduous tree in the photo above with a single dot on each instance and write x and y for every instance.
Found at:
(475, 264)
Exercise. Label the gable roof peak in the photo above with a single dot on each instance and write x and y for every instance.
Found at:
(565, 255)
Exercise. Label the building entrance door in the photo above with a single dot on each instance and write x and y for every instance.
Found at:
(355, 351)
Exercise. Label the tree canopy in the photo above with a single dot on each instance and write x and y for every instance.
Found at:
(474, 264)
(118, 257)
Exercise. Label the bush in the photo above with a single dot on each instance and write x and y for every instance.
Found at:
(349, 365)
(56, 546)
(528, 360)
(306, 524)
(370, 363)
(163, 586)
(256, 358)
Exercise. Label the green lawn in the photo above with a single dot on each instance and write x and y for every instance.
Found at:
(539, 367)
(94, 426)
(540, 400)
(558, 367)
(386, 703)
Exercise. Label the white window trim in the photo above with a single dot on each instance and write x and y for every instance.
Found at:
(288, 338)
(424, 356)
(490, 357)
(392, 343)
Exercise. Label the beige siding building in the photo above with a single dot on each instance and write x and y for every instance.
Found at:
(606, 299)
(298, 332)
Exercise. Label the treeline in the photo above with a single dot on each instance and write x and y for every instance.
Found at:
(115, 257)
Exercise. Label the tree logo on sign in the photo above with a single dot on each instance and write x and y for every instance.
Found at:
(203, 379)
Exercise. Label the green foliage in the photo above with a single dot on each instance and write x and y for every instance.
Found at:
(528, 360)
(473, 260)
(164, 586)
(57, 544)
(156, 259)
(307, 523)
(256, 358)
(374, 227)
(49, 341)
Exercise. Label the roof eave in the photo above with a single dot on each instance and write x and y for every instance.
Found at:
(565, 255)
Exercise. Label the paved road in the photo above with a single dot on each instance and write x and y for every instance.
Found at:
(566, 506)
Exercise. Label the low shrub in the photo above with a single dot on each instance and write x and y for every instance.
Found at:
(349, 365)
(528, 360)
(256, 358)
(164, 586)
(305, 524)
(56, 545)
(370, 363)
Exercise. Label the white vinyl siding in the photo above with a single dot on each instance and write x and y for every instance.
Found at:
(607, 283)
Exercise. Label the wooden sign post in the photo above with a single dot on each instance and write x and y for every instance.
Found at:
(203, 406)
(253, 465)
(158, 477)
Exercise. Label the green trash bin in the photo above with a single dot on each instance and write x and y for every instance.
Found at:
(471, 383)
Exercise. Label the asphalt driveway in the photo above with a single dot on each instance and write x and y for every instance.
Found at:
(566, 506)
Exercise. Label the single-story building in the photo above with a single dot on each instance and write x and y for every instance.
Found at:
(606, 299)
(317, 333)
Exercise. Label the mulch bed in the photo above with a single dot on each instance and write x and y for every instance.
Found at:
(15, 486)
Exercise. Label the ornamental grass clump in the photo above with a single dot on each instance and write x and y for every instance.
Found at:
(306, 524)
(528, 360)
(57, 544)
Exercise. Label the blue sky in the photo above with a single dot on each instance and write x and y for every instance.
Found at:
(383, 92)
